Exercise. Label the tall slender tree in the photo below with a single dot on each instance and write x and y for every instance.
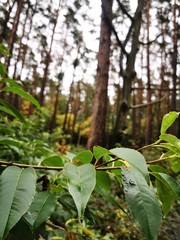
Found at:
(149, 107)
(97, 135)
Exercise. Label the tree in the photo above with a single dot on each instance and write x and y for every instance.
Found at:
(128, 72)
(97, 135)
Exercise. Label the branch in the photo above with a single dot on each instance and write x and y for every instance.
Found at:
(124, 10)
(161, 159)
(109, 23)
(150, 42)
(32, 166)
(149, 103)
(2, 163)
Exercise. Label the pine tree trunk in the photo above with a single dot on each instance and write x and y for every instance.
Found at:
(148, 132)
(97, 135)
(12, 37)
(48, 59)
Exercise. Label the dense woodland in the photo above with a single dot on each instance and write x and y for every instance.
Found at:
(133, 76)
(104, 73)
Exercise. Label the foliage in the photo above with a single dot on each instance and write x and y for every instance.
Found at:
(47, 194)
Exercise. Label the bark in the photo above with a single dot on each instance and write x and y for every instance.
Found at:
(21, 44)
(12, 37)
(97, 135)
(53, 119)
(48, 60)
(75, 106)
(129, 73)
(24, 52)
(148, 130)
(137, 114)
(174, 66)
(64, 128)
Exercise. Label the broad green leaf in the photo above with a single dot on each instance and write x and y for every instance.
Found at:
(67, 201)
(10, 109)
(12, 113)
(142, 202)
(81, 183)
(109, 197)
(157, 168)
(70, 155)
(54, 161)
(23, 94)
(168, 120)
(175, 164)
(170, 147)
(134, 158)
(83, 157)
(12, 82)
(17, 189)
(172, 140)
(166, 197)
(41, 209)
(10, 142)
(99, 152)
(103, 180)
(21, 231)
(169, 182)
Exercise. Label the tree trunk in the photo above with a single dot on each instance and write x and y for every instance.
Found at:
(174, 66)
(129, 73)
(148, 131)
(137, 114)
(48, 59)
(12, 37)
(97, 135)
(53, 119)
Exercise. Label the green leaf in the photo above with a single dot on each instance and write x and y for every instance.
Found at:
(3, 70)
(83, 157)
(175, 164)
(12, 82)
(70, 155)
(103, 180)
(109, 197)
(134, 158)
(81, 183)
(10, 142)
(169, 182)
(172, 140)
(4, 50)
(41, 209)
(67, 201)
(21, 231)
(157, 168)
(17, 189)
(10, 109)
(168, 120)
(99, 152)
(166, 197)
(23, 94)
(54, 161)
(142, 202)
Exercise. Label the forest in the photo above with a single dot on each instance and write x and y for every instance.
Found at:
(89, 119)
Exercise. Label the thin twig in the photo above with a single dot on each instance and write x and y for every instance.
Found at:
(160, 159)
(105, 163)
(32, 166)
(49, 167)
